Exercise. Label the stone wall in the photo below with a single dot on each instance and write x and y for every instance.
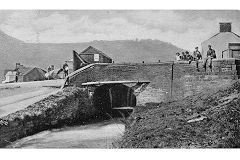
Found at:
(176, 80)
(187, 80)
(63, 108)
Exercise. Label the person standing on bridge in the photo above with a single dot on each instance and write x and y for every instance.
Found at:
(183, 57)
(210, 55)
(65, 69)
(196, 57)
(189, 57)
(178, 58)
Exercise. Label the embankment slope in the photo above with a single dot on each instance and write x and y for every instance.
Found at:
(209, 119)
(63, 108)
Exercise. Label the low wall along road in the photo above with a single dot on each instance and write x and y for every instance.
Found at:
(65, 107)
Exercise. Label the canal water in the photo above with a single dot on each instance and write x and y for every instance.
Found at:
(98, 135)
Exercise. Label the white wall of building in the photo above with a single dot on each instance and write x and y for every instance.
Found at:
(10, 77)
(220, 43)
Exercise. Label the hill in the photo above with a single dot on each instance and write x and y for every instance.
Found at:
(42, 55)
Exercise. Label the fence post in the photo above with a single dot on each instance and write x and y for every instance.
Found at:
(171, 84)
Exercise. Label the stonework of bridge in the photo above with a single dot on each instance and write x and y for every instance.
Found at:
(175, 79)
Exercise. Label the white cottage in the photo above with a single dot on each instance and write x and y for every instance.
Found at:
(225, 43)
(10, 77)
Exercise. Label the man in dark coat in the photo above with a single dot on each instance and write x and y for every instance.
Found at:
(210, 55)
(65, 69)
(196, 57)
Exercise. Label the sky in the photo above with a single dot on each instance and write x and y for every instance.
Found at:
(183, 28)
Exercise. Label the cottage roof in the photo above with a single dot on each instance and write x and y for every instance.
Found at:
(43, 72)
(23, 70)
(222, 33)
(11, 73)
(81, 59)
(7, 70)
(94, 51)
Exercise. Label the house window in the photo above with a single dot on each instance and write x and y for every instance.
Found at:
(96, 57)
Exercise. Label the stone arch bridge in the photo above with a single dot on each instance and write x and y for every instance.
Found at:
(175, 79)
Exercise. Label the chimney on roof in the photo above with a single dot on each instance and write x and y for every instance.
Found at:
(225, 27)
(17, 65)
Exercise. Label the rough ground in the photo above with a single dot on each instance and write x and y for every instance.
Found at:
(209, 119)
(65, 107)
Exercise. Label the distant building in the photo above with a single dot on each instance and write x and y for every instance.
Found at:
(24, 74)
(88, 56)
(225, 43)
(93, 55)
(10, 76)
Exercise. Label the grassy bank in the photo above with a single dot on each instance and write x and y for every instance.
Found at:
(209, 119)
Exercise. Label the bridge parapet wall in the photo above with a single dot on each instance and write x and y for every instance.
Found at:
(176, 80)
(190, 81)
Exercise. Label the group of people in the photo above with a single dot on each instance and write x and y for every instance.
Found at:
(184, 56)
(196, 56)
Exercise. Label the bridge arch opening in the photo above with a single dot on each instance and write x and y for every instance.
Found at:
(110, 96)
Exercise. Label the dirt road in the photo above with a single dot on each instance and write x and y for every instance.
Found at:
(17, 96)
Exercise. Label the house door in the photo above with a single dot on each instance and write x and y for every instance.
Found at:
(236, 54)
(234, 50)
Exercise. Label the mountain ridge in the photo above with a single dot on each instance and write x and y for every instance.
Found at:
(42, 55)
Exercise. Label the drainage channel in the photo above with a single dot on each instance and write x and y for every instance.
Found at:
(98, 135)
